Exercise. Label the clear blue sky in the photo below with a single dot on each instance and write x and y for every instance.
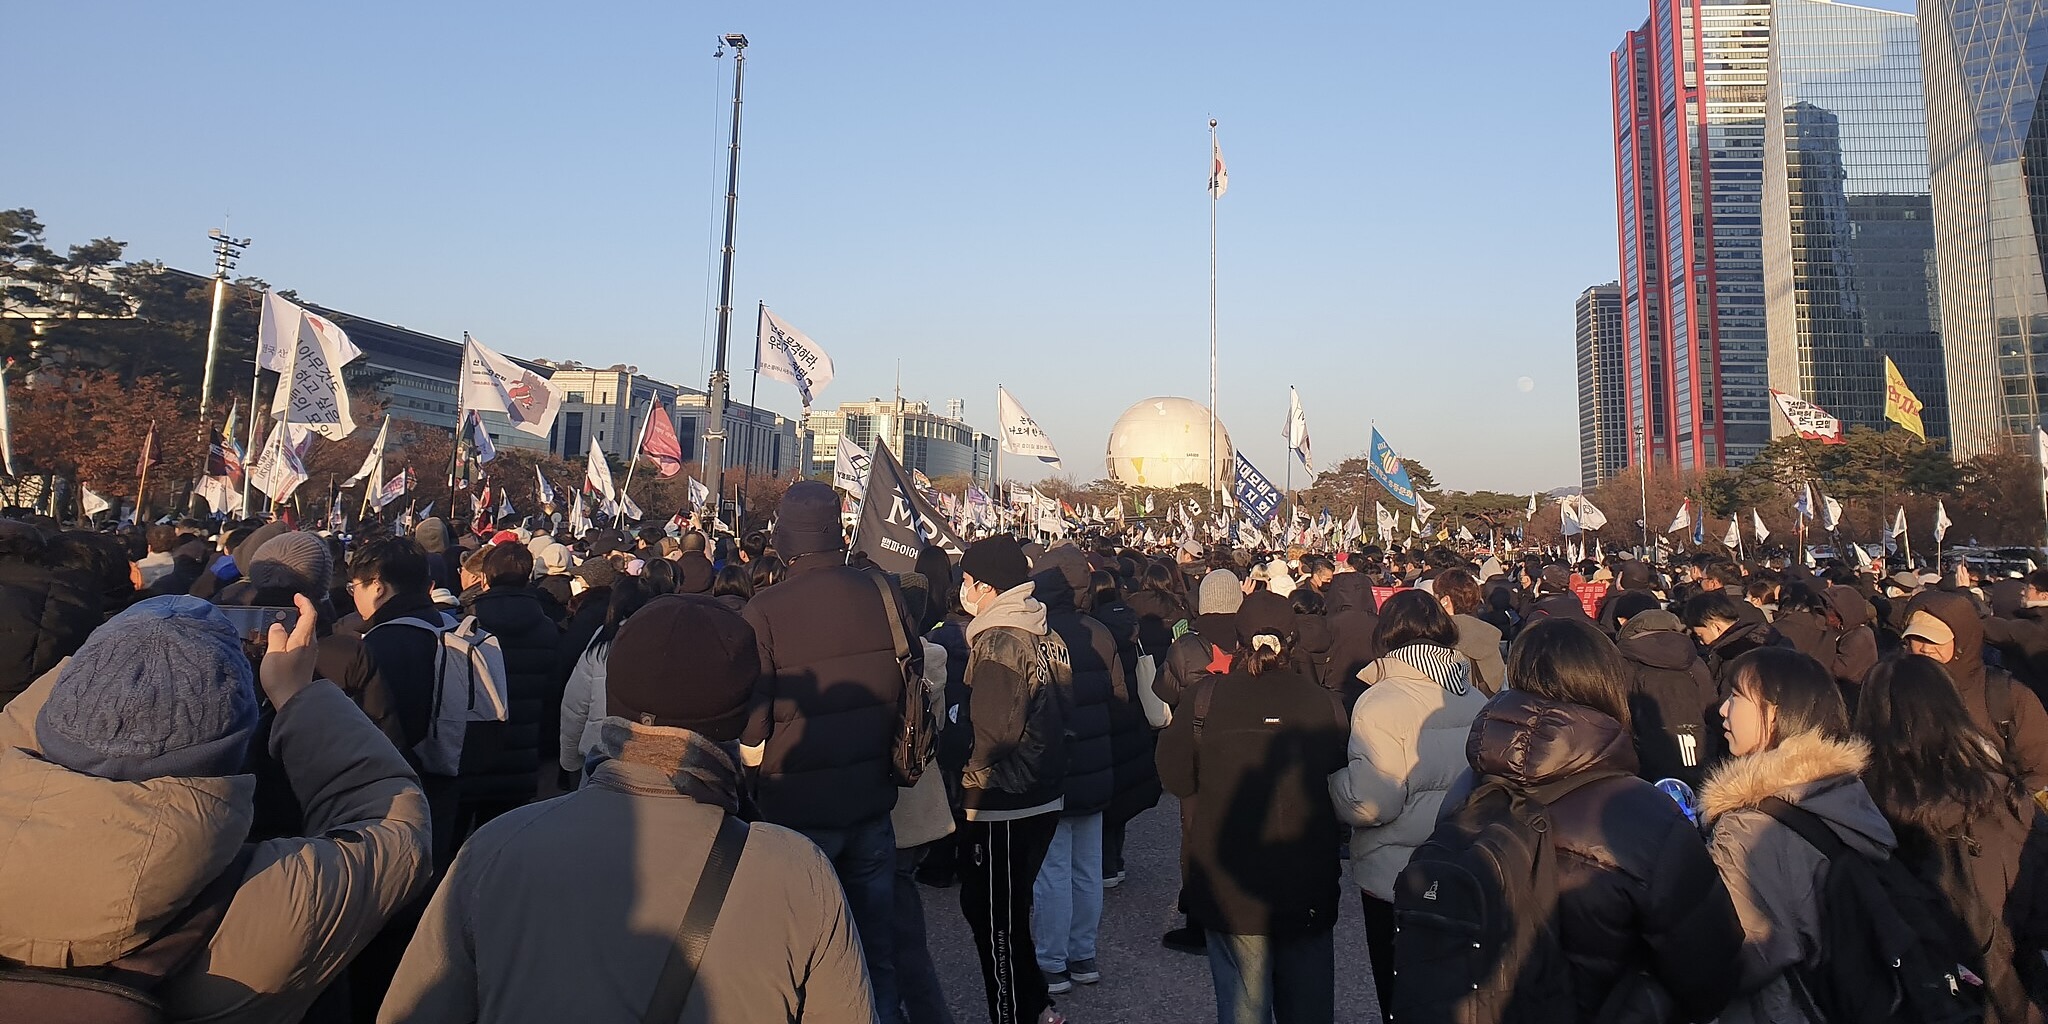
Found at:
(984, 192)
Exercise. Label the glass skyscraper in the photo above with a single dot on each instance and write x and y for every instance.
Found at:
(1848, 226)
(1604, 440)
(1689, 93)
(1983, 63)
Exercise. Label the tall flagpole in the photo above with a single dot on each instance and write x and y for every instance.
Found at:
(1213, 475)
(995, 469)
(754, 395)
(633, 457)
(461, 423)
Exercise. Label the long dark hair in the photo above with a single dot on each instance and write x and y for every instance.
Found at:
(628, 595)
(1800, 690)
(1925, 750)
(1569, 660)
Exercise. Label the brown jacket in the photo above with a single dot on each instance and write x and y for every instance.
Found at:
(90, 869)
(566, 910)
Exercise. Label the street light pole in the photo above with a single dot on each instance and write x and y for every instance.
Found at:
(714, 406)
(1644, 486)
(226, 250)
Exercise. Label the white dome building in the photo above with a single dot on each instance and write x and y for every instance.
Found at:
(1161, 442)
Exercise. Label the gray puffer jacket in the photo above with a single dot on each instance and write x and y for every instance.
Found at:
(1775, 877)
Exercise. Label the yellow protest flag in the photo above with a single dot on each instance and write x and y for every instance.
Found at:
(1901, 405)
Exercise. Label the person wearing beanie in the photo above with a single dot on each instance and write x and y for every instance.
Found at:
(1206, 647)
(124, 802)
(1556, 599)
(823, 723)
(444, 559)
(678, 682)
(1019, 678)
(552, 564)
(1269, 731)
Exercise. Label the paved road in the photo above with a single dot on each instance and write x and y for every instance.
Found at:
(1142, 982)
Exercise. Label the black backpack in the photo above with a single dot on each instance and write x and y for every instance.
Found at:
(1892, 949)
(1476, 913)
(916, 743)
(124, 991)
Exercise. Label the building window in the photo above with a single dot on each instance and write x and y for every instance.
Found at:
(686, 437)
(575, 397)
(572, 434)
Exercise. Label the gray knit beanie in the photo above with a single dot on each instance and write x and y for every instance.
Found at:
(162, 690)
(1220, 593)
(298, 562)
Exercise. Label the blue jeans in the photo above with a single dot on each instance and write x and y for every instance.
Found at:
(1066, 901)
(864, 855)
(1264, 979)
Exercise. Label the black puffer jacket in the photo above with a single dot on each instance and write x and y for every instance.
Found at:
(531, 645)
(45, 615)
(1672, 701)
(1188, 660)
(1158, 612)
(1637, 890)
(828, 698)
(1353, 616)
(1097, 676)
(1130, 734)
(955, 743)
(1740, 639)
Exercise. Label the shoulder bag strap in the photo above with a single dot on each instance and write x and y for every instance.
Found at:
(679, 974)
(1205, 692)
(1998, 703)
(889, 611)
(1808, 824)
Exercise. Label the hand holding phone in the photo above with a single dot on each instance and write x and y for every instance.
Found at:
(253, 623)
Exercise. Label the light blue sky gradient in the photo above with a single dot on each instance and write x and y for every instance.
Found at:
(987, 193)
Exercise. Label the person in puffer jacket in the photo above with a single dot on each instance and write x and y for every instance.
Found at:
(45, 612)
(1648, 926)
(1012, 786)
(122, 799)
(1067, 898)
(1407, 748)
(1672, 700)
(1205, 648)
(1789, 733)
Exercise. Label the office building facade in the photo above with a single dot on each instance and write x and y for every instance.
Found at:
(1849, 234)
(1604, 439)
(1983, 65)
(609, 406)
(930, 443)
(1689, 119)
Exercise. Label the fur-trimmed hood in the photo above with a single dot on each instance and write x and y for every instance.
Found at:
(1809, 771)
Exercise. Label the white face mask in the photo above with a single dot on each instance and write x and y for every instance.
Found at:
(968, 604)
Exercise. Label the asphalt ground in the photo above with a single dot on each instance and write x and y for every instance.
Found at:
(1142, 981)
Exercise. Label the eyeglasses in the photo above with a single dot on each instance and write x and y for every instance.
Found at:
(354, 585)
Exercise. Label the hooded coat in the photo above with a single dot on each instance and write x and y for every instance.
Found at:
(1354, 617)
(1673, 704)
(1017, 709)
(1636, 888)
(45, 616)
(91, 869)
(533, 689)
(2025, 737)
(1189, 660)
(1738, 640)
(1855, 652)
(1158, 613)
(2022, 641)
(1406, 750)
(1775, 876)
(1093, 683)
(1130, 734)
(1479, 642)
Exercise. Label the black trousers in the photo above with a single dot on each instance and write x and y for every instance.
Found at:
(999, 861)
(1379, 946)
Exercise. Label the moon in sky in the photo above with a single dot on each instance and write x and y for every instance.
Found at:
(1525, 384)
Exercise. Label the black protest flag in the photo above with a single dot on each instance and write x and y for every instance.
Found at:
(896, 521)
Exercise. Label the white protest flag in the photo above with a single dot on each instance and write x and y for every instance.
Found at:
(1683, 520)
(1297, 432)
(545, 490)
(1219, 175)
(1423, 510)
(1465, 534)
(278, 472)
(1830, 513)
(1352, 531)
(1387, 522)
(1568, 518)
(1021, 434)
(2041, 453)
(850, 470)
(374, 461)
(700, 495)
(1756, 526)
(7, 430)
(1941, 522)
(632, 511)
(310, 352)
(1589, 517)
(90, 503)
(481, 439)
(493, 383)
(1733, 538)
(1862, 556)
(220, 493)
(1899, 526)
(1531, 514)
(597, 473)
(579, 521)
(783, 353)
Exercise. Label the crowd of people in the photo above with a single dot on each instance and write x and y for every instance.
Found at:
(523, 775)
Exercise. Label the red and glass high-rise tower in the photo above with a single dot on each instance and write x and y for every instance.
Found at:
(1689, 120)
